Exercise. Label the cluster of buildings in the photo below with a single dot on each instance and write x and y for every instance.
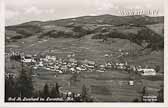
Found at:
(59, 65)
(70, 64)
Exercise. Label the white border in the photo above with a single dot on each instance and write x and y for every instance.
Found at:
(152, 105)
(2, 32)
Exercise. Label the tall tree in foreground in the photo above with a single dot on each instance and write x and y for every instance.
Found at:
(157, 68)
(46, 91)
(84, 94)
(55, 91)
(161, 95)
(24, 84)
(10, 90)
(144, 93)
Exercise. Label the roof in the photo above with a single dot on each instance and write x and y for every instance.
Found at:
(148, 70)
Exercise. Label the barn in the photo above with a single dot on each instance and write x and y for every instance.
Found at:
(148, 72)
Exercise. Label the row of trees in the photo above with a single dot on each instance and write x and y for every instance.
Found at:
(47, 92)
(15, 57)
(77, 32)
(22, 86)
(19, 87)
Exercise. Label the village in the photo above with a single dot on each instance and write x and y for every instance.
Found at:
(71, 65)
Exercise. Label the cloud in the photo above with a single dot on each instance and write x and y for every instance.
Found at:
(37, 11)
(33, 10)
(10, 14)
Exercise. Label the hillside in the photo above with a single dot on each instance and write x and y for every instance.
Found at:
(124, 27)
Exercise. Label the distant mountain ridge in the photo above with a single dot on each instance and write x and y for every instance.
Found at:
(81, 26)
(102, 19)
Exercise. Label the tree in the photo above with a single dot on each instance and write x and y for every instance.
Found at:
(144, 90)
(55, 91)
(46, 91)
(104, 38)
(84, 94)
(85, 97)
(157, 68)
(161, 95)
(143, 93)
(10, 90)
(24, 84)
(15, 57)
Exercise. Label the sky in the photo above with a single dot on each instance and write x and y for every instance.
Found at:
(20, 11)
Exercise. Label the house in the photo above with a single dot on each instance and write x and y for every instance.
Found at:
(78, 68)
(35, 67)
(27, 59)
(56, 67)
(53, 58)
(131, 82)
(100, 71)
(147, 71)
(108, 65)
(106, 55)
(64, 68)
(120, 65)
(81, 68)
(44, 59)
(132, 67)
(47, 68)
(41, 64)
(72, 69)
(59, 71)
(102, 67)
(89, 66)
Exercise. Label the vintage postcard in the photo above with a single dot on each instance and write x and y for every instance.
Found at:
(79, 53)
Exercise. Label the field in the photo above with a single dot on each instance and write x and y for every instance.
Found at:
(109, 86)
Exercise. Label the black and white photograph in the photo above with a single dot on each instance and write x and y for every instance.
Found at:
(84, 51)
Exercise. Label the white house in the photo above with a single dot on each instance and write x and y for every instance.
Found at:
(147, 71)
(131, 82)
(35, 67)
(60, 72)
(72, 69)
(120, 65)
(41, 64)
(28, 59)
(53, 58)
(78, 68)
